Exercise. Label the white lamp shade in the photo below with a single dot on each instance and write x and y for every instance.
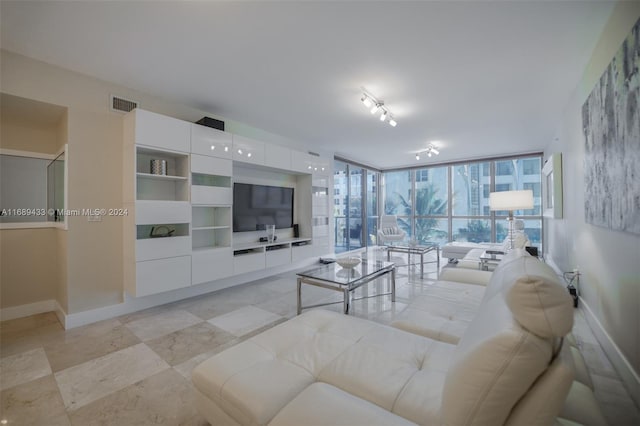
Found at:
(511, 200)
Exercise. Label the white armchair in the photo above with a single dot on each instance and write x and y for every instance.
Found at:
(389, 231)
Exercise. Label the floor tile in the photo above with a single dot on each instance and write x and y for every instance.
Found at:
(162, 324)
(37, 402)
(166, 398)
(24, 367)
(21, 325)
(244, 320)
(180, 346)
(99, 377)
(19, 339)
(85, 343)
(227, 300)
(185, 368)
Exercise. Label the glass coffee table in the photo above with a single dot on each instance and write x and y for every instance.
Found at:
(490, 258)
(334, 277)
(417, 250)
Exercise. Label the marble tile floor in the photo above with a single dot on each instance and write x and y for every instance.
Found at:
(136, 369)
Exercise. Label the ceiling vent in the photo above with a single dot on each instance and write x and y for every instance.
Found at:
(120, 104)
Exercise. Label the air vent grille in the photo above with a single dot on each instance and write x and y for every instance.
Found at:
(120, 104)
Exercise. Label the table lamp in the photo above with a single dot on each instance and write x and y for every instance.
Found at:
(510, 201)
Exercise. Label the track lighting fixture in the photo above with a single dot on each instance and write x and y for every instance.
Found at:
(430, 151)
(377, 106)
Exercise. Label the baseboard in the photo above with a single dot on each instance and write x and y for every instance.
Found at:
(623, 367)
(20, 311)
(134, 304)
(628, 375)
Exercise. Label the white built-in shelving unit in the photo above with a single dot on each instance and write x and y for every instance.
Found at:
(179, 231)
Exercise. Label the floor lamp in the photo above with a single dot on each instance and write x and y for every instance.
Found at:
(511, 200)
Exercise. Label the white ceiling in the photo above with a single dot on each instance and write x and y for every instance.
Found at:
(482, 78)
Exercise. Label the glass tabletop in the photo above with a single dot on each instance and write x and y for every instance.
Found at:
(347, 276)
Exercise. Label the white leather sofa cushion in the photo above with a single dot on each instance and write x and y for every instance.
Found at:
(324, 405)
(251, 382)
(380, 366)
(542, 403)
(537, 299)
(494, 364)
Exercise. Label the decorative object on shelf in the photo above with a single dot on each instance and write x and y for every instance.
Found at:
(552, 186)
(377, 106)
(430, 151)
(510, 201)
(348, 262)
(271, 233)
(161, 231)
(159, 167)
(611, 126)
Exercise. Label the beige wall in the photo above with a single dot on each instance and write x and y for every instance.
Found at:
(25, 138)
(608, 260)
(94, 249)
(28, 271)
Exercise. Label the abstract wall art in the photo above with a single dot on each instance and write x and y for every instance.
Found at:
(611, 125)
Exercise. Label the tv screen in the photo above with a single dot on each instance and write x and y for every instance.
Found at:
(255, 206)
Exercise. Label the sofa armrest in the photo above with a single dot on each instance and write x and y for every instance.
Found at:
(467, 276)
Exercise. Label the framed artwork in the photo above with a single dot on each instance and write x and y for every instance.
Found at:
(552, 186)
(611, 125)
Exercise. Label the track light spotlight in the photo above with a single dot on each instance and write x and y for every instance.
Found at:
(430, 151)
(378, 106)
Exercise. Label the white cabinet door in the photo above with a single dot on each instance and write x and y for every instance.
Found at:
(278, 257)
(158, 248)
(210, 165)
(211, 142)
(211, 265)
(248, 262)
(248, 150)
(156, 276)
(277, 156)
(160, 131)
(301, 252)
(159, 212)
(301, 162)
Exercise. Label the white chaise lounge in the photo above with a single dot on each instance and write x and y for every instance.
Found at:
(324, 368)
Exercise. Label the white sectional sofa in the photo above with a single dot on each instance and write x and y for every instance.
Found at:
(508, 366)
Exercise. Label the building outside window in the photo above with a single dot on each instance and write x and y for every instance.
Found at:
(356, 215)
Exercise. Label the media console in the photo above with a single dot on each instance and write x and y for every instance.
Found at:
(248, 257)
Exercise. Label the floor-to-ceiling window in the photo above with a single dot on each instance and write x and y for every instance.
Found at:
(518, 174)
(430, 221)
(355, 190)
(451, 203)
(470, 187)
(398, 199)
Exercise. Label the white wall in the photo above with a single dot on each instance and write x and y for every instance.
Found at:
(608, 260)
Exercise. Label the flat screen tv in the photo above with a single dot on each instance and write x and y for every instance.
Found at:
(255, 206)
